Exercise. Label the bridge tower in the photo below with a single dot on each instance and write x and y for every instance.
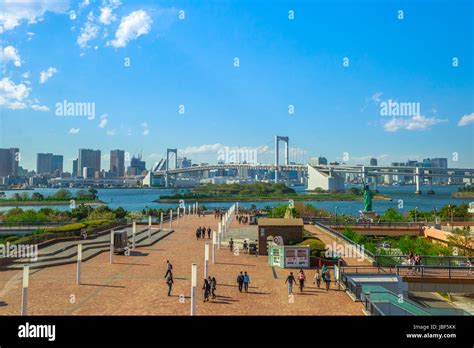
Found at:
(418, 178)
(286, 140)
(167, 168)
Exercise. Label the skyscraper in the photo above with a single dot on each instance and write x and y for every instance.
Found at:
(88, 159)
(43, 163)
(74, 168)
(117, 163)
(49, 164)
(9, 159)
(57, 165)
(137, 166)
(373, 162)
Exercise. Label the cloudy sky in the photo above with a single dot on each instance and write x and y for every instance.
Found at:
(200, 76)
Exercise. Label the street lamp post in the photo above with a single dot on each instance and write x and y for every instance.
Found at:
(193, 288)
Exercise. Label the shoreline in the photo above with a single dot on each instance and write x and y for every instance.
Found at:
(36, 203)
(267, 199)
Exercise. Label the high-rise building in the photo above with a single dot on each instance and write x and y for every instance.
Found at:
(74, 168)
(435, 162)
(43, 163)
(318, 161)
(57, 165)
(9, 159)
(117, 163)
(49, 164)
(183, 162)
(88, 159)
(373, 162)
(137, 166)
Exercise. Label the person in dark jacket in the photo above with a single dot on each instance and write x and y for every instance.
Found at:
(170, 283)
(213, 283)
(207, 290)
(240, 281)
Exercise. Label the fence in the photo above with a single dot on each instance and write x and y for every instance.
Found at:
(427, 260)
(339, 236)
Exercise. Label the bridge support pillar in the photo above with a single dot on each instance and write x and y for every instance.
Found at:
(430, 191)
(417, 181)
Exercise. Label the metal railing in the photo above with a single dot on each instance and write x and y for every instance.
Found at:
(421, 271)
(339, 236)
(364, 224)
(15, 225)
(427, 260)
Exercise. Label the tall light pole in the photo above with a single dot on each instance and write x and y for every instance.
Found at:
(206, 260)
(416, 209)
(24, 291)
(193, 288)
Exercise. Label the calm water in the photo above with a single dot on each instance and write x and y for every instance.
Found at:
(138, 199)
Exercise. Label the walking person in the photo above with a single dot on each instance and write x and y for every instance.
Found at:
(301, 279)
(327, 279)
(255, 248)
(317, 279)
(246, 247)
(209, 233)
(231, 245)
(207, 290)
(213, 284)
(169, 268)
(246, 282)
(240, 281)
(290, 280)
(170, 283)
(198, 233)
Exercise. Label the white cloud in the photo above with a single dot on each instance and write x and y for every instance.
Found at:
(111, 132)
(146, 131)
(88, 32)
(39, 107)
(45, 75)
(10, 53)
(74, 130)
(137, 23)
(417, 122)
(106, 16)
(376, 97)
(103, 121)
(26, 75)
(85, 3)
(14, 12)
(466, 119)
(12, 95)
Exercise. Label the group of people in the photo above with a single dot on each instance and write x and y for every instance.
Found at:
(242, 219)
(218, 214)
(201, 233)
(415, 262)
(243, 281)
(209, 288)
(245, 246)
(325, 275)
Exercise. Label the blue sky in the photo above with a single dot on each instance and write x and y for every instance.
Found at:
(50, 54)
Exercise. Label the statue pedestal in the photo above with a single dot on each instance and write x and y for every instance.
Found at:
(368, 215)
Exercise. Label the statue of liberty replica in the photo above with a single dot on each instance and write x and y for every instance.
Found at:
(368, 195)
(367, 214)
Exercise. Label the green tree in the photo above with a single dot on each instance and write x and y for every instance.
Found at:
(120, 213)
(62, 194)
(36, 196)
(93, 193)
(391, 214)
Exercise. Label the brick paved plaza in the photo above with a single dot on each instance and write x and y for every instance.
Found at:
(135, 284)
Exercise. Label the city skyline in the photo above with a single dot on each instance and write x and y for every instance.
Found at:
(149, 76)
